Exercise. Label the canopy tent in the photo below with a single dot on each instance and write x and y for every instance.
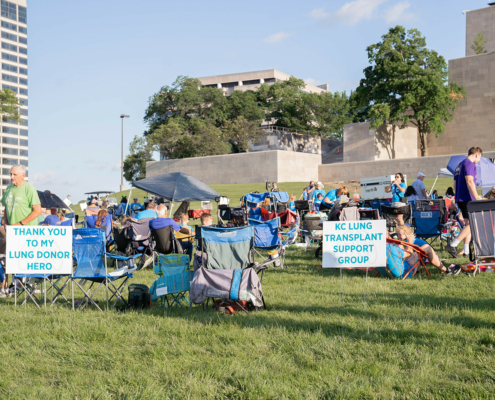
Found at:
(101, 191)
(50, 200)
(443, 172)
(176, 186)
(485, 171)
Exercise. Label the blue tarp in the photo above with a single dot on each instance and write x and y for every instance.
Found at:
(259, 197)
(485, 170)
(266, 233)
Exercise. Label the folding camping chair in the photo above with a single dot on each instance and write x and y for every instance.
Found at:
(229, 262)
(430, 219)
(140, 233)
(174, 280)
(391, 213)
(29, 289)
(89, 250)
(481, 221)
(314, 233)
(164, 243)
(400, 267)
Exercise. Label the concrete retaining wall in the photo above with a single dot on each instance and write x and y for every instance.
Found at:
(368, 169)
(275, 166)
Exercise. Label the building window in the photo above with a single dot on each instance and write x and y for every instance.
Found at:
(23, 30)
(230, 84)
(6, 182)
(24, 112)
(5, 171)
(8, 46)
(23, 50)
(8, 140)
(252, 82)
(24, 102)
(24, 92)
(23, 122)
(23, 142)
(23, 14)
(23, 153)
(8, 67)
(23, 71)
(13, 88)
(8, 25)
(23, 60)
(23, 40)
(9, 57)
(23, 132)
(9, 161)
(9, 10)
(24, 162)
(9, 36)
(8, 120)
(12, 131)
(270, 80)
(9, 78)
(10, 151)
(23, 81)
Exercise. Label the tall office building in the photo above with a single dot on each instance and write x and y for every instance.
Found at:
(14, 51)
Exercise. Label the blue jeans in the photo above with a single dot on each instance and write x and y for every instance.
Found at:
(187, 246)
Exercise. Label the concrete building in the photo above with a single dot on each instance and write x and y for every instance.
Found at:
(252, 80)
(480, 21)
(13, 19)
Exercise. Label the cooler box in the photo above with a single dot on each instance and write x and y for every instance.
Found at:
(195, 214)
(374, 188)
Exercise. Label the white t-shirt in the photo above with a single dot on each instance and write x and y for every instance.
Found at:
(419, 185)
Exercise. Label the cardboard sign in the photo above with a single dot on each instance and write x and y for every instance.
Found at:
(41, 250)
(354, 244)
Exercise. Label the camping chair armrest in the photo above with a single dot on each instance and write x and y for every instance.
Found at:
(448, 223)
(122, 258)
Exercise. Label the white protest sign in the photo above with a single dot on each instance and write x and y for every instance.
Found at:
(354, 244)
(39, 250)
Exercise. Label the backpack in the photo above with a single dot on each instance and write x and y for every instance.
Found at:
(139, 296)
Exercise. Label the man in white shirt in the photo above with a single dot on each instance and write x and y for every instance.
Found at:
(420, 187)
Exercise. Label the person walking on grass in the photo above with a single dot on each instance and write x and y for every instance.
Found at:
(465, 191)
(22, 207)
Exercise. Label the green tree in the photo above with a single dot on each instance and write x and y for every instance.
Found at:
(240, 132)
(245, 104)
(9, 106)
(479, 44)
(409, 84)
(135, 162)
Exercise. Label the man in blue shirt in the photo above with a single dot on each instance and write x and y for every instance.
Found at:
(148, 213)
(135, 207)
(319, 189)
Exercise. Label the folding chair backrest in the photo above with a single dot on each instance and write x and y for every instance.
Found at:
(66, 222)
(433, 205)
(171, 264)
(141, 230)
(90, 221)
(122, 238)
(313, 223)
(287, 218)
(390, 213)
(227, 248)
(482, 222)
(301, 205)
(164, 240)
(266, 233)
(88, 245)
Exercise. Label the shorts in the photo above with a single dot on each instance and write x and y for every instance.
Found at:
(463, 207)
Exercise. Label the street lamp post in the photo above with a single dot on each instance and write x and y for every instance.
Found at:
(122, 116)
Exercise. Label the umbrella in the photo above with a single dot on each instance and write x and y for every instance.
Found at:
(50, 200)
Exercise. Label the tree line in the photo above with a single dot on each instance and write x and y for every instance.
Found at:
(405, 84)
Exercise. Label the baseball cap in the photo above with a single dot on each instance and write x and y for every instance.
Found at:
(420, 174)
(135, 198)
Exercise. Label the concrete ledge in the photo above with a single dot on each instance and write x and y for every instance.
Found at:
(275, 166)
(368, 169)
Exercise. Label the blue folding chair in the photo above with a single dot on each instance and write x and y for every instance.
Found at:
(89, 251)
(430, 220)
(174, 280)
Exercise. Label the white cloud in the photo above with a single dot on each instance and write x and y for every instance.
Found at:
(356, 11)
(276, 37)
(398, 13)
(116, 166)
(311, 81)
(45, 179)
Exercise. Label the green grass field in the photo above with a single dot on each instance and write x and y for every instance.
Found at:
(421, 338)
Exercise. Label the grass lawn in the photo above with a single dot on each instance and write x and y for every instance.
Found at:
(419, 338)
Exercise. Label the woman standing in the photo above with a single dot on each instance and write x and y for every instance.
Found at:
(397, 188)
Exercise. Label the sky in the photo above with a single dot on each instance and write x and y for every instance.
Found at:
(91, 61)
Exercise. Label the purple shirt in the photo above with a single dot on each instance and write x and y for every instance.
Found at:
(462, 193)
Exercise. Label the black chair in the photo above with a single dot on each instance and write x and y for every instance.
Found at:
(164, 241)
(391, 214)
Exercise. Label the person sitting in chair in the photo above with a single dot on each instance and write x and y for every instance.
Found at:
(92, 209)
(406, 234)
(135, 207)
(149, 212)
(275, 187)
(334, 195)
(187, 244)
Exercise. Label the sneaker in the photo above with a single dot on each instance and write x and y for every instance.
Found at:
(451, 250)
(454, 270)
(3, 295)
